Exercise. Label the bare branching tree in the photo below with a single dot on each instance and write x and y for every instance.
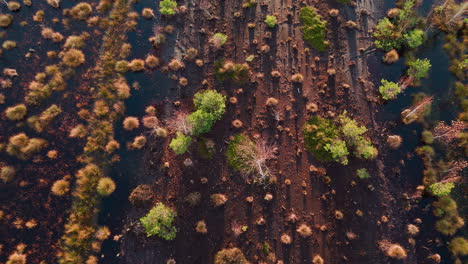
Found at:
(446, 133)
(179, 123)
(254, 157)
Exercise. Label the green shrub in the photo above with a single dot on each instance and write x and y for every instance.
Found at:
(418, 68)
(271, 21)
(339, 151)
(386, 36)
(210, 101)
(159, 221)
(201, 122)
(352, 133)
(414, 38)
(400, 30)
(441, 189)
(180, 143)
(363, 173)
(168, 7)
(230, 256)
(318, 133)
(389, 90)
(227, 70)
(313, 28)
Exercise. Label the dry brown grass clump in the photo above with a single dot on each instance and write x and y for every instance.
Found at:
(137, 65)
(7, 173)
(317, 259)
(5, 20)
(147, 13)
(60, 187)
(391, 56)
(138, 142)
(237, 123)
(131, 123)
(394, 141)
(218, 199)
(151, 61)
(297, 78)
(271, 101)
(304, 230)
(73, 58)
(176, 65)
(230, 256)
(81, 11)
(392, 250)
(201, 227)
(54, 3)
(412, 229)
(286, 239)
(339, 215)
(106, 186)
(17, 258)
(16, 112)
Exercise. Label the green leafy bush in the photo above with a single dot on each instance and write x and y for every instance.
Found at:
(210, 101)
(441, 188)
(386, 36)
(393, 33)
(313, 28)
(168, 7)
(201, 122)
(363, 173)
(227, 70)
(318, 133)
(331, 143)
(159, 221)
(418, 68)
(271, 21)
(180, 143)
(389, 90)
(414, 38)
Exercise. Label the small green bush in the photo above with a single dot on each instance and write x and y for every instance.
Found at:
(168, 7)
(363, 173)
(271, 21)
(201, 122)
(419, 69)
(210, 101)
(389, 90)
(319, 133)
(441, 189)
(180, 143)
(159, 221)
(414, 38)
(313, 28)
